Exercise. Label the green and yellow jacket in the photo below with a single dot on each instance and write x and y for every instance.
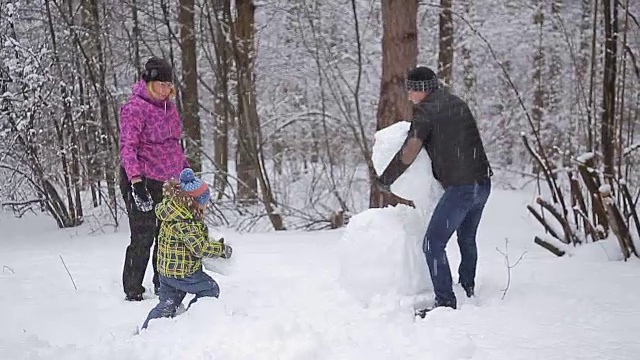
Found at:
(183, 241)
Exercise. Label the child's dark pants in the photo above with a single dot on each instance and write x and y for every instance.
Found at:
(172, 291)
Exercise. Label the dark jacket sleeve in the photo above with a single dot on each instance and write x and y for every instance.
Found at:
(418, 133)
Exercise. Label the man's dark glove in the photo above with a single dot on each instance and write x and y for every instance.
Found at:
(141, 197)
(381, 185)
(226, 250)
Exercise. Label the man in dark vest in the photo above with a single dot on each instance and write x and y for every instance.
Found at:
(444, 126)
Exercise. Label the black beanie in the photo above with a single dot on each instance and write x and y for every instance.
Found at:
(422, 79)
(157, 69)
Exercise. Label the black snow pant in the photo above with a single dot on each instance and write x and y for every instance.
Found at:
(144, 229)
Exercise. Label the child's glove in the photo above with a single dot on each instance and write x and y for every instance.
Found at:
(220, 263)
(226, 250)
(141, 197)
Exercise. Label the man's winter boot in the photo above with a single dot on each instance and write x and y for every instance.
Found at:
(423, 312)
(469, 291)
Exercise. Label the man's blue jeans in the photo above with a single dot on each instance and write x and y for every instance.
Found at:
(459, 209)
(172, 291)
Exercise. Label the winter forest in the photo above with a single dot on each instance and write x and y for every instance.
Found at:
(288, 110)
(280, 101)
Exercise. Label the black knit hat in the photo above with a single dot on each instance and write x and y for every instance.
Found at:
(157, 69)
(422, 79)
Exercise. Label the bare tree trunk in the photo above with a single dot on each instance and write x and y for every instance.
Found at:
(67, 123)
(399, 55)
(246, 167)
(582, 71)
(630, 128)
(166, 19)
(75, 170)
(555, 63)
(607, 125)
(620, 91)
(88, 142)
(250, 136)
(558, 139)
(509, 146)
(106, 136)
(467, 63)
(82, 133)
(445, 53)
(222, 102)
(75, 145)
(591, 144)
(76, 141)
(189, 94)
(136, 36)
(538, 65)
(585, 26)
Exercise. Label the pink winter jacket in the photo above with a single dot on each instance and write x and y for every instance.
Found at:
(150, 133)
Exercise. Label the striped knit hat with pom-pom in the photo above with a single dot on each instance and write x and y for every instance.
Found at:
(194, 187)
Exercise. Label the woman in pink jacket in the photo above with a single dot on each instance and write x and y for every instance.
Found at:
(150, 154)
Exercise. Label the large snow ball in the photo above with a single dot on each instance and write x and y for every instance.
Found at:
(381, 254)
(381, 249)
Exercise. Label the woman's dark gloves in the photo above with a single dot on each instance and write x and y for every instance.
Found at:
(141, 197)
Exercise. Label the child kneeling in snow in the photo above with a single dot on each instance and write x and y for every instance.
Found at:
(182, 243)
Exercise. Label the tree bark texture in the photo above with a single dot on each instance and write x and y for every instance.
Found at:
(189, 94)
(445, 53)
(607, 124)
(247, 164)
(399, 55)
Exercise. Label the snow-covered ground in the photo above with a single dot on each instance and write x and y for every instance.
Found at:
(284, 300)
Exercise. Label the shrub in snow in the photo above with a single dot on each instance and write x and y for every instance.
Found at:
(594, 216)
(381, 249)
